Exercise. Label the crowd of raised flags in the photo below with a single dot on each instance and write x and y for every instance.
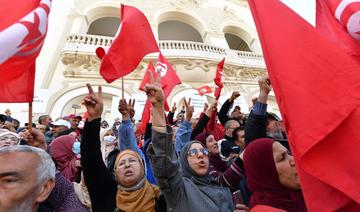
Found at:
(314, 69)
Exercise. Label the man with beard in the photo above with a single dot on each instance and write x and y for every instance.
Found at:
(27, 180)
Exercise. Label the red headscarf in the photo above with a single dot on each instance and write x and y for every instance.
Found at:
(263, 180)
(61, 152)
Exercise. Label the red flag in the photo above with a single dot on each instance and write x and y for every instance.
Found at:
(315, 74)
(217, 92)
(134, 41)
(218, 80)
(169, 78)
(22, 32)
(219, 73)
(347, 13)
(146, 78)
(145, 118)
(204, 90)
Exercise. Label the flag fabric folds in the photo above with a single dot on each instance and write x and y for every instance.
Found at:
(134, 40)
(315, 73)
(169, 79)
(204, 90)
(22, 32)
(218, 80)
(347, 13)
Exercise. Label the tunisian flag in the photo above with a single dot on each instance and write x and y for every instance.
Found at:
(134, 40)
(218, 80)
(314, 68)
(23, 29)
(169, 79)
(204, 90)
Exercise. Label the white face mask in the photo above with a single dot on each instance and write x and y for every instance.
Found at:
(109, 139)
(76, 147)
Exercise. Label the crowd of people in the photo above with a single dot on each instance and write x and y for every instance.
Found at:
(220, 161)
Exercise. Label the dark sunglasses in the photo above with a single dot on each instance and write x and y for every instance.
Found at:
(193, 152)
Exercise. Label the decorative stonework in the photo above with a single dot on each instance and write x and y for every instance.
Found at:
(247, 73)
(191, 64)
(185, 3)
(80, 65)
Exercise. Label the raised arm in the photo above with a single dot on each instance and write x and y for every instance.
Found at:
(212, 112)
(256, 122)
(183, 134)
(171, 114)
(223, 117)
(98, 179)
(127, 137)
(164, 161)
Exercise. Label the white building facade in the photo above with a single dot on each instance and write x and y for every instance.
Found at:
(194, 35)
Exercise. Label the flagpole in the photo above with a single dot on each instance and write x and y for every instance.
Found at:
(122, 87)
(30, 117)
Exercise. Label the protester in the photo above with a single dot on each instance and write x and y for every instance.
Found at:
(239, 137)
(27, 180)
(8, 138)
(188, 188)
(261, 124)
(66, 160)
(228, 148)
(235, 114)
(2, 120)
(42, 128)
(74, 120)
(272, 176)
(63, 197)
(125, 188)
(45, 120)
(108, 142)
(224, 174)
(58, 126)
(207, 121)
(8, 115)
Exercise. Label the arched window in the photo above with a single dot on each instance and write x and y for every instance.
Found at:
(176, 30)
(236, 43)
(106, 26)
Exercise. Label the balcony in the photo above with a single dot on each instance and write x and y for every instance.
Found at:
(86, 44)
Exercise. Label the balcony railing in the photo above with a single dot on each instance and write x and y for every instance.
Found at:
(87, 44)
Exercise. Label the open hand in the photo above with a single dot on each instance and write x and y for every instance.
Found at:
(126, 109)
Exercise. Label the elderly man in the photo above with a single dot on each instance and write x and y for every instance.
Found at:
(27, 180)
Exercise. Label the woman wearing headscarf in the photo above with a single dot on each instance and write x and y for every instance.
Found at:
(222, 173)
(188, 188)
(125, 188)
(108, 140)
(272, 176)
(61, 150)
(8, 138)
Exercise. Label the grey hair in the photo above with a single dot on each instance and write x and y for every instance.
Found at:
(228, 123)
(46, 167)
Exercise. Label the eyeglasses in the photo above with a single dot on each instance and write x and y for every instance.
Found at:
(193, 152)
(131, 161)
